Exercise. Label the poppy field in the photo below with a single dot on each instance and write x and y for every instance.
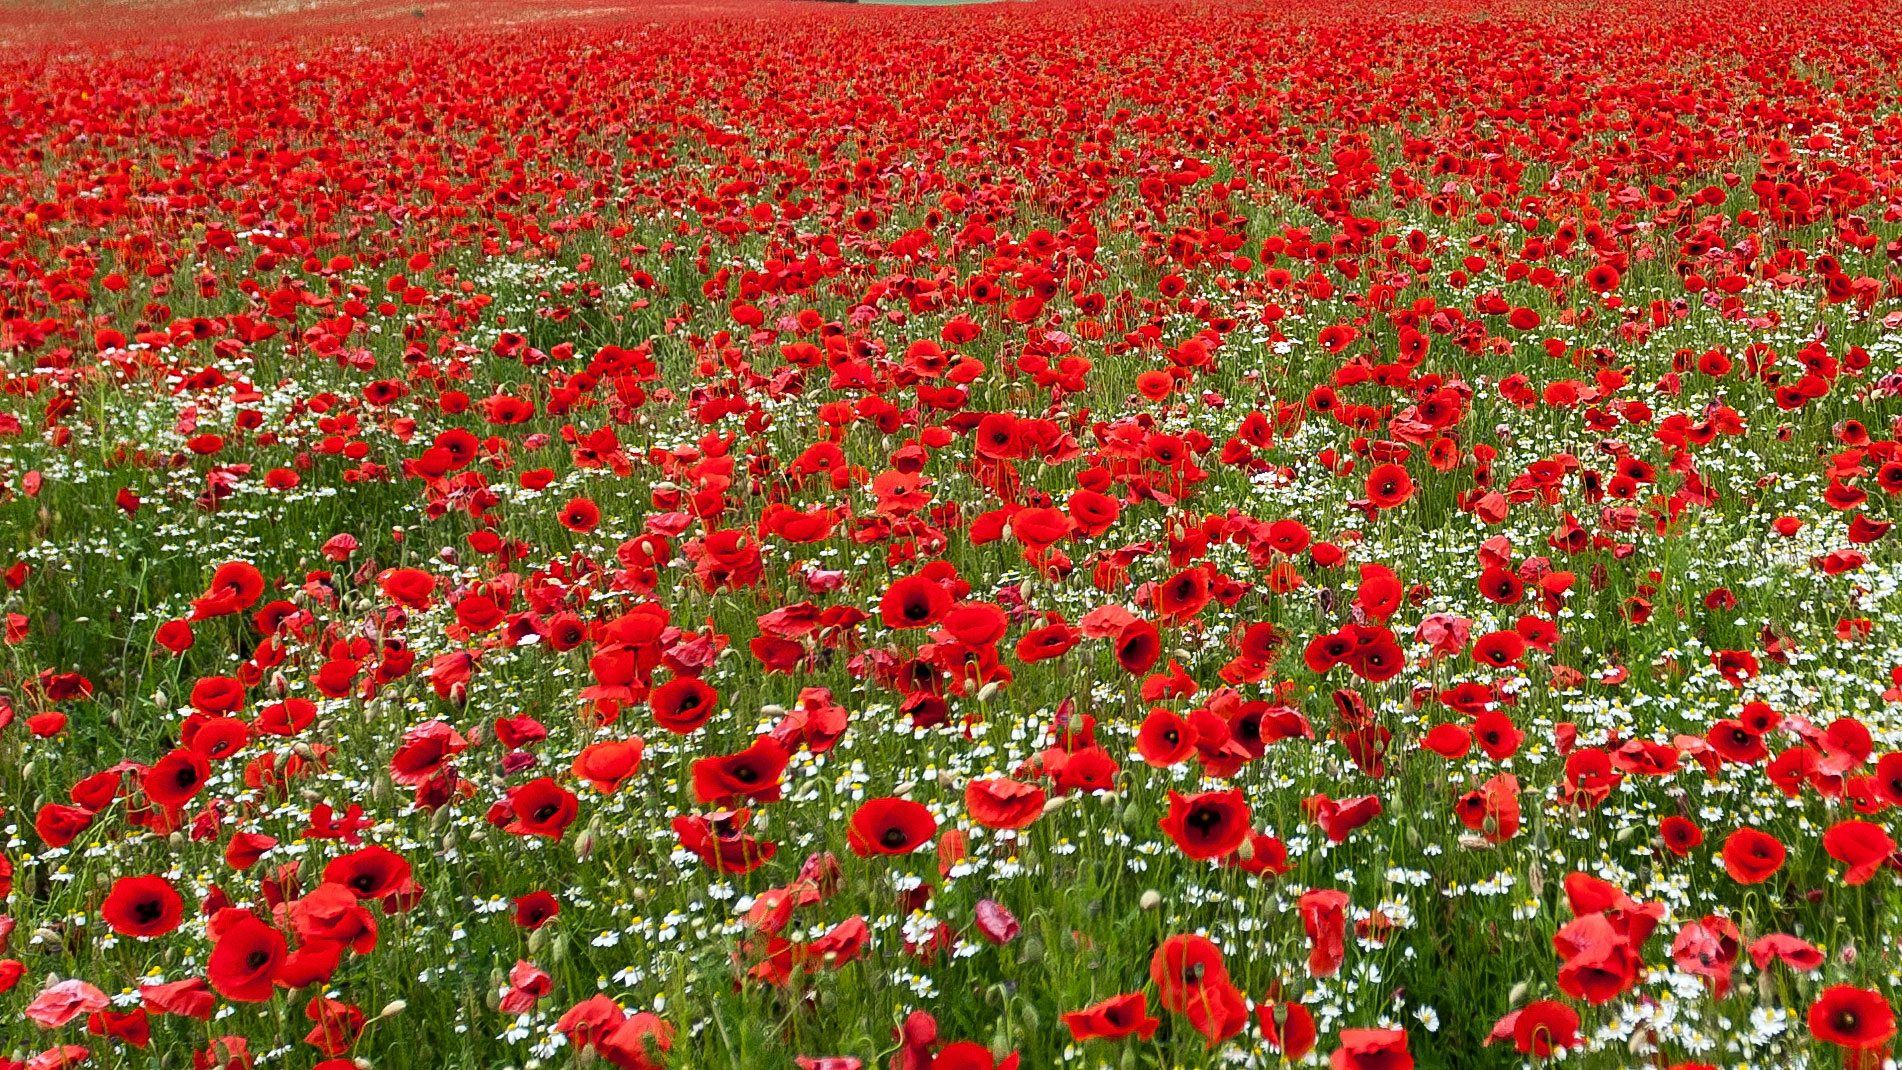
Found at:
(1079, 535)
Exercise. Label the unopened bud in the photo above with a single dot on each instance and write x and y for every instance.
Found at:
(1150, 900)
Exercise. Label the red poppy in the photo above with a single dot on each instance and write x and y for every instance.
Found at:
(683, 704)
(1184, 594)
(1113, 1019)
(1372, 1049)
(1863, 846)
(580, 515)
(1389, 486)
(536, 909)
(1324, 916)
(245, 959)
(1545, 1027)
(1854, 1018)
(410, 587)
(1093, 513)
(370, 872)
(890, 826)
(176, 778)
(142, 906)
(1752, 856)
(609, 764)
(1680, 835)
(914, 602)
(541, 807)
(1207, 825)
(1183, 968)
(1049, 641)
(1165, 739)
(753, 773)
(1138, 647)
(1002, 803)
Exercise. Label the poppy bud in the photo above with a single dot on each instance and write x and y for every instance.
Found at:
(989, 691)
(392, 1009)
(585, 844)
(280, 686)
(1150, 900)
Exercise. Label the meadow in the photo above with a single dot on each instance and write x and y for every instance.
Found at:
(1091, 534)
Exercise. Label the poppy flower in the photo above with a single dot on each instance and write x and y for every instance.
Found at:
(1796, 953)
(1449, 741)
(966, 1055)
(536, 909)
(890, 826)
(1093, 513)
(1207, 825)
(1165, 739)
(1752, 856)
(1544, 1028)
(1863, 846)
(235, 586)
(1002, 803)
(245, 959)
(369, 872)
(1287, 1027)
(1372, 1049)
(580, 515)
(411, 587)
(541, 807)
(1042, 644)
(1138, 647)
(609, 764)
(1501, 650)
(1184, 594)
(1680, 835)
(1040, 528)
(683, 704)
(914, 602)
(1853, 1018)
(1183, 967)
(1389, 486)
(1113, 1019)
(176, 778)
(142, 906)
(753, 773)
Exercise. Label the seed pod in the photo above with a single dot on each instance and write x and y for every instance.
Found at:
(1032, 952)
(1132, 817)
